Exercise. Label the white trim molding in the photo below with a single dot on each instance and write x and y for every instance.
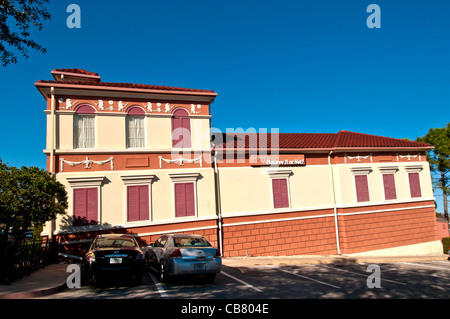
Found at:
(87, 163)
(413, 168)
(388, 169)
(180, 161)
(137, 179)
(94, 181)
(361, 170)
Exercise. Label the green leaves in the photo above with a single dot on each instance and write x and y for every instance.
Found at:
(29, 196)
(24, 13)
(439, 158)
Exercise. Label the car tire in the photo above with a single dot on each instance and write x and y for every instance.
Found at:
(209, 278)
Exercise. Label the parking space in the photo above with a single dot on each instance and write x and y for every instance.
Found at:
(312, 281)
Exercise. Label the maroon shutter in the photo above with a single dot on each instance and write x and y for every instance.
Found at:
(389, 186)
(132, 203)
(181, 129)
(186, 125)
(276, 193)
(284, 193)
(414, 184)
(143, 203)
(180, 200)
(79, 205)
(190, 199)
(92, 205)
(85, 211)
(177, 134)
(362, 188)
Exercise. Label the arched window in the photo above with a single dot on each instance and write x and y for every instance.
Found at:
(181, 129)
(135, 127)
(84, 126)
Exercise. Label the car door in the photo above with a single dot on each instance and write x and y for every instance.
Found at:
(152, 252)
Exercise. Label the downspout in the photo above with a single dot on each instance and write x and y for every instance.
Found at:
(218, 203)
(334, 204)
(52, 151)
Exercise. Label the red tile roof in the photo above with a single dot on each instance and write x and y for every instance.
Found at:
(80, 73)
(77, 71)
(124, 85)
(329, 141)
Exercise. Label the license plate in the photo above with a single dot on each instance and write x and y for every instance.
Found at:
(115, 260)
(199, 266)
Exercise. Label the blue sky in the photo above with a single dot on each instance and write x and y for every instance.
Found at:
(300, 66)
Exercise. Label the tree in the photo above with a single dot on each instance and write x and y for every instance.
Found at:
(24, 13)
(439, 158)
(29, 196)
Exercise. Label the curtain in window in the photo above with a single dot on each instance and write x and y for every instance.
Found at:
(84, 131)
(135, 132)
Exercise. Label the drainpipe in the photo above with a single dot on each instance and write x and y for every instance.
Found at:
(52, 151)
(334, 204)
(218, 203)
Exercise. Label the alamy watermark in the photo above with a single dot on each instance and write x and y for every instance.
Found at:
(374, 280)
(74, 19)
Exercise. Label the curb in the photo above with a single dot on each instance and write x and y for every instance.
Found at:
(36, 293)
(338, 260)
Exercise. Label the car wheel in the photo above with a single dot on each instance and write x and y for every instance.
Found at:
(209, 278)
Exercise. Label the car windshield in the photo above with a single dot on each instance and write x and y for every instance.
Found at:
(189, 241)
(114, 242)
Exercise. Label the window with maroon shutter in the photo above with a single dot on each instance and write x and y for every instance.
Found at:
(181, 129)
(414, 184)
(389, 186)
(280, 192)
(85, 210)
(137, 203)
(184, 199)
(362, 188)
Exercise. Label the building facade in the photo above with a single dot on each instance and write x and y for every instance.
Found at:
(142, 159)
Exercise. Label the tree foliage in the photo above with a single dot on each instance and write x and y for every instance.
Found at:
(29, 196)
(439, 158)
(24, 14)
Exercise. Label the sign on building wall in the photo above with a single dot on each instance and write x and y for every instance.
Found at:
(277, 160)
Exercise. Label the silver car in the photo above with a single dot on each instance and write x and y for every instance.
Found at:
(183, 254)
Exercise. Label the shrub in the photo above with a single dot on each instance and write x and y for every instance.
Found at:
(446, 243)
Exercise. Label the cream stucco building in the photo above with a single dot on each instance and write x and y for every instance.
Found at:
(141, 159)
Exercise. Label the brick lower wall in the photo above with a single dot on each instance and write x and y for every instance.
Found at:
(299, 233)
(373, 231)
(314, 236)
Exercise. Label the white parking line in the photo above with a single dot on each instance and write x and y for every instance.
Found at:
(160, 288)
(241, 281)
(365, 275)
(304, 277)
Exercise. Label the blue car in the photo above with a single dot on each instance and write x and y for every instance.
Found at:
(183, 254)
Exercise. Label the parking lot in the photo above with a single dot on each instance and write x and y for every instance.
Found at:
(397, 280)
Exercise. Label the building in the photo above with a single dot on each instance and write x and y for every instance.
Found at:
(141, 159)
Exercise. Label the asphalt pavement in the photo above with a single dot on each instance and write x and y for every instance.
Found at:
(53, 278)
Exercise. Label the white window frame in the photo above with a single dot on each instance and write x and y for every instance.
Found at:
(361, 170)
(144, 131)
(88, 182)
(184, 178)
(137, 180)
(389, 170)
(76, 138)
(280, 174)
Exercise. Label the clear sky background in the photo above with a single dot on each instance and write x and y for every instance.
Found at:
(299, 66)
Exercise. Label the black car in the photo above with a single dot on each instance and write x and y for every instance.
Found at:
(114, 255)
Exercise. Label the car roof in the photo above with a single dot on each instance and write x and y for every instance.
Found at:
(115, 236)
(183, 235)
